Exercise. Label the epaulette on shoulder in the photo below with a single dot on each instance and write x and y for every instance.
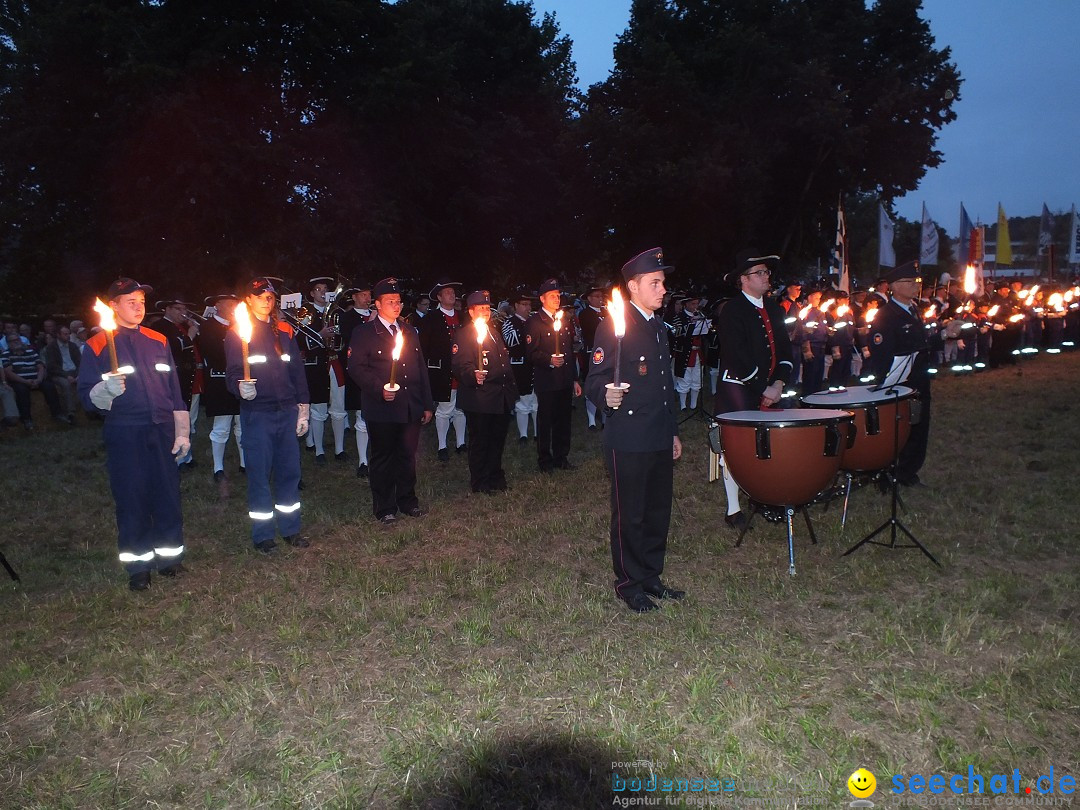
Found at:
(97, 342)
(286, 329)
(154, 335)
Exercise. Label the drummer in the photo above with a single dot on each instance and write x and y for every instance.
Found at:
(898, 330)
(755, 353)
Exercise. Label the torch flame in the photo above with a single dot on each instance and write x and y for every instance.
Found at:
(804, 312)
(1056, 301)
(930, 312)
(242, 321)
(825, 307)
(481, 330)
(558, 320)
(842, 310)
(870, 314)
(617, 310)
(1016, 318)
(399, 343)
(108, 322)
(994, 310)
(969, 280)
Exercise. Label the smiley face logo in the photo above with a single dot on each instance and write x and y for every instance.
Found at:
(862, 784)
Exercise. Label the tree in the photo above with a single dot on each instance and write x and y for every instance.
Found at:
(736, 121)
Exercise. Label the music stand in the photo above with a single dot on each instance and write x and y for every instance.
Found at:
(898, 373)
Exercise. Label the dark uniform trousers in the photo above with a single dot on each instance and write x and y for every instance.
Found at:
(392, 466)
(270, 444)
(641, 493)
(145, 484)
(487, 438)
(913, 454)
(554, 410)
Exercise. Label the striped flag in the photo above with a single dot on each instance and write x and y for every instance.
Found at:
(886, 232)
(839, 254)
(1074, 238)
(1003, 251)
(928, 254)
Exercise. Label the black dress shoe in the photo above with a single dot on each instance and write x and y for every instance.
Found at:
(565, 465)
(737, 521)
(522, 440)
(340, 456)
(640, 603)
(219, 476)
(461, 448)
(362, 471)
(140, 581)
(266, 547)
(242, 469)
(297, 541)
(173, 571)
(320, 459)
(662, 591)
(388, 520)
(415, 512)
(444, 454)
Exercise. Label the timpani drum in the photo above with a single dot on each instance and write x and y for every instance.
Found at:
(785, 457)
(875, 441)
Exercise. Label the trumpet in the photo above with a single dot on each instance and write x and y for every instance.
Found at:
(332, 318)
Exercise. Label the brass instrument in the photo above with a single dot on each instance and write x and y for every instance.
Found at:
(332, 319)
(299, 318)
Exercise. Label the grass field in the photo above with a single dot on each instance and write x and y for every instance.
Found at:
(478, 658)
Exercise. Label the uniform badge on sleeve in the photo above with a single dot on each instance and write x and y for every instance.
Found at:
(453, 349)
(642, 367)
(598, 356)
(877, 338)
(528, 338)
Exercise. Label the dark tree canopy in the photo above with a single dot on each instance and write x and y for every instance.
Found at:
(193, 143)
(727, 122)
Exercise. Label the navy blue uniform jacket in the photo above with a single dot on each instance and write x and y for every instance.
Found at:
(895, 331)
(279, 378)
(370, 356)
(540, 345)
(499, 391)
(645, 422)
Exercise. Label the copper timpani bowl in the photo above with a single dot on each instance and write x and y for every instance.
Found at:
(786, 457)
(878, 435)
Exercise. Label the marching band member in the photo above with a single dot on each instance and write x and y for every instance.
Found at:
(350, 319)
(317, 372)
(690, 329)
(589, 319)
(436, 341)
(146, 429)
(274, 411)
(513, 332)
(221, 405)
(180, 332)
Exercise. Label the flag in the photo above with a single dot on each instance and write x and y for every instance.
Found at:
(1046, 225)
(839, 254)
(928, 255)
(1074, 238)
(886, 251)
(976, 246)
(962, 235)
(1004, 246)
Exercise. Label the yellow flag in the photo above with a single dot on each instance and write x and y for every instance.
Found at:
(1003, 253)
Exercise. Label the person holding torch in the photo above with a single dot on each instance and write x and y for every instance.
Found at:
(630, 379)
(386, 363)
(127, 375)
(263, 367)
(487, 392)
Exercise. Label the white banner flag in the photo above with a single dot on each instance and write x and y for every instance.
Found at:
(928, 255)
(886, 251)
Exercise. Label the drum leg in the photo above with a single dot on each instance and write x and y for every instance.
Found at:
(749, 520)
(809, 525)
(791, 541)
(847, 497)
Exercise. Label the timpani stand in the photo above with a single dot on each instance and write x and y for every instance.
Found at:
(901, 369)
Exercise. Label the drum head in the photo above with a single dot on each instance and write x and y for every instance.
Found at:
(804, 417)
(856, 396)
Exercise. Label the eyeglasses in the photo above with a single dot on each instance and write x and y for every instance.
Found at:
(763, 272)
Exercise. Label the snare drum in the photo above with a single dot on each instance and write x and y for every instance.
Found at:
(875, 415)
(784, 458)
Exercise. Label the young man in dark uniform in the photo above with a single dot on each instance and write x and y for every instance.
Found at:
(589, 319)
(221, 405)
(360, 313)
(554, 379)
(274, 411)
(436, 342)
(898, 330)
(146, 429)
(513, 332)
(486, 392)
(317, 367)
(641, 437)
(393, 417)
(755, 354)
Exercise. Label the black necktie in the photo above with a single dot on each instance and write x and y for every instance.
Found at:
(393, 330)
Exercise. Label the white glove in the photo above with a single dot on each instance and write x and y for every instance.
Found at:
(103, 394)
(247, 389)
(302, 414)
(182, 426)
